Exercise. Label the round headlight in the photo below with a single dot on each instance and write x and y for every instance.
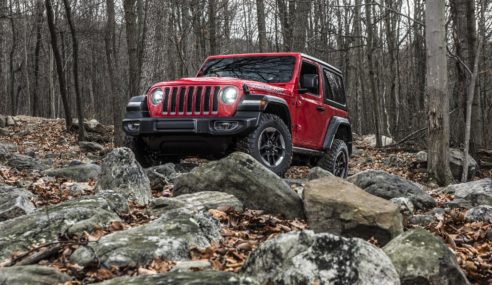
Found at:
(229, 95)
(156, 96)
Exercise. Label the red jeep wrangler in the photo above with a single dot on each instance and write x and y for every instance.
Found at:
(278, 107)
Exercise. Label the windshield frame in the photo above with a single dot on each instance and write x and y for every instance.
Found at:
(291, 77)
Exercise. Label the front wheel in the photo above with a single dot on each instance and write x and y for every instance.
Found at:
(335, 160)
(270, 143)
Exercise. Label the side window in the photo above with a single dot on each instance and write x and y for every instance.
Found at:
(309, 78)
(334, 90)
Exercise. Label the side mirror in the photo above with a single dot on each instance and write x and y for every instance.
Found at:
(309, 82)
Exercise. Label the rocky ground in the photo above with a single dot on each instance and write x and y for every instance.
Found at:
(79, 213)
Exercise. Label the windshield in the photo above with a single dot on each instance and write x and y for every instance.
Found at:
(270, 69)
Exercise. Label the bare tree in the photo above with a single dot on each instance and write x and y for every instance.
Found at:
(437, 92)
(59, 64)
(132, 40)
(75, 55)
(260, 14)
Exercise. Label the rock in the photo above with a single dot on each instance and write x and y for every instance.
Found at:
(161, 176)
(117, 202)
(32, 275)
(90, 146)
(371, 140)
(192, 265)
(10, 121)
(184, 278)
(389, 186)
(185, 167)
(308, 258)
(318, 172)
(6, 150)
(3, 121)
(242, 176)
(24, 162)
(471, 194)
(456, 158)
(405, 205)
(170, 238)
(4, 132)
(421, 220)
(44, 225)
(14, 202)
(480, 213)
(200, 201)
(121, 172)
(335, 206)
(421, 258)
(79, 173)
(76, 189)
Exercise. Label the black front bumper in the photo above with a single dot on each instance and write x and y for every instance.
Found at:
(145, 126)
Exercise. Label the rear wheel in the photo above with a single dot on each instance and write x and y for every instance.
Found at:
(139, 148)
(336, 159)
(270, 143)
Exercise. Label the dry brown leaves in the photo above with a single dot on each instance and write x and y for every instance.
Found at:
(241, 234)
(469, 242)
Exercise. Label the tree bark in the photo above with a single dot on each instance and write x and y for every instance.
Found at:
(114, 86)
(132, 45)
(260, 14)
(437, 92)
(75, 55)
(301, 23)
(372, 73)
(59, 65)
(39, 22)
(212, 26)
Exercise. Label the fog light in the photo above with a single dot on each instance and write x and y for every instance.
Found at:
(133, 126)
(226, 126)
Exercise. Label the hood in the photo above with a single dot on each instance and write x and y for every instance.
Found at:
(255, 87)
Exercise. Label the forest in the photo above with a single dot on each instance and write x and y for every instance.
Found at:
(111, 50)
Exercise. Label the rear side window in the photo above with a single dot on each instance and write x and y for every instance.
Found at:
(333, 88)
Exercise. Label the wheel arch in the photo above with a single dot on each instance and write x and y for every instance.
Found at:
(339, 128)
(280, 109)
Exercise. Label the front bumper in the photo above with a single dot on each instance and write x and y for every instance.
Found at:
(241, 123)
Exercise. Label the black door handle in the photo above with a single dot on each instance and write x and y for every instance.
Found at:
(320, 109)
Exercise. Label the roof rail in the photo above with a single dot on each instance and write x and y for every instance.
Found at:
(321, 62)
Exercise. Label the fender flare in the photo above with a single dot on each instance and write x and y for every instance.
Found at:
(332, 130)
(262, 103)
(137, 108)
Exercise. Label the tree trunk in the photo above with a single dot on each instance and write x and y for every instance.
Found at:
(75, 55)
(132, 45)
(59, 65)
(39, 22)
(372, 73)
(260, 14)
(114, 86)
(437, 91)
(301, 23)
(212, 27)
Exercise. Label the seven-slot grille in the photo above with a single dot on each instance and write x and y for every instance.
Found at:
(191, 100)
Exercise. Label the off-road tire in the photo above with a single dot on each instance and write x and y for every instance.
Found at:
(249, 143)
(137, 145)
(329, 160)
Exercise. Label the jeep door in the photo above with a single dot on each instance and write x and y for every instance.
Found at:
(310, 120)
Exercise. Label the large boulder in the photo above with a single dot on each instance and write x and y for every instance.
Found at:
(45, 225)
(252, 183)
(470, 194)
(170, 238)
(308, 258)
(80, 172)
(32, 275)
(389, 186)
(184, 278)
(14, 202)
(121, 172)
(371, 140)
(480, 213)
(24, 162)
(339, 207)
(422, 258)
(161, 175)
(200, 201)
(456, 161)
(6, 150)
